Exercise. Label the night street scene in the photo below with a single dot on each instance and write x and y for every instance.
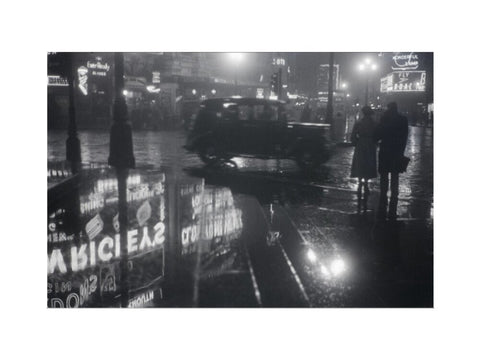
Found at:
(252, 179)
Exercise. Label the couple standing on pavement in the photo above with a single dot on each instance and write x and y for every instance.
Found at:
(392, 133)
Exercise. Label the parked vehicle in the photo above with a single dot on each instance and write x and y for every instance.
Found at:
(251, 127)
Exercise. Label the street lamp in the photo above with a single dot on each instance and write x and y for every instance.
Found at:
(122, 158)
(73, 143)
(367, 66)
(236, 58)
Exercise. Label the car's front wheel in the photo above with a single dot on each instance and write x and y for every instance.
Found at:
(209, 154)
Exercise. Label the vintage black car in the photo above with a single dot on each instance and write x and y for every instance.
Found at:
(251, 127)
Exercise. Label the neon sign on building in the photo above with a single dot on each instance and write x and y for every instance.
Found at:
(404, 81)
(405, 61)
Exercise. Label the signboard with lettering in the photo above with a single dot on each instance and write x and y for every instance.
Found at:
(209, 215)
(54, 80)
(84, 263)
(93, 73)
(260, 93)
(405, 61)
(403, 81)
(155, 77)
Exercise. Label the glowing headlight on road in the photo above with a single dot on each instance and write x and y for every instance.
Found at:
(325, 271)
(311, 256)
(337, 267)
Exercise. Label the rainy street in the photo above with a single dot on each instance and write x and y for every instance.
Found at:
(261, 180)
(247, 233)
(227, 179)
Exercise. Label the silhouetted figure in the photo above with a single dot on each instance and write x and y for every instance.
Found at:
(392, 132)
(364, 164)
(306, 114)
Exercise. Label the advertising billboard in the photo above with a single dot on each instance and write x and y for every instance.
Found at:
(406, 61)
(83, 244)
(404, 81)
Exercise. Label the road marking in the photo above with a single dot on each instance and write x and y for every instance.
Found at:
(295, 275)
(252, 276)
(290, 265)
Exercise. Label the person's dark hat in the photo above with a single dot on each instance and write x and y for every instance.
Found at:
(367, 111)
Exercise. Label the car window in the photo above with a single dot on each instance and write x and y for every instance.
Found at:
(268, 113)
(258, 112)
(230, 111)
(247, 112)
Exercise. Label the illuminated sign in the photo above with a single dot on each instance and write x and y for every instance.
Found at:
(57, 81)
(141, 300)
(82, 72)
(155, 77)
(138, 191)
(278, 61)
(260, 93)
(98, 68)
(144, 213)
(80, 257)
(404, 81)
(214, 219)
(405, 61)
(93, 76)
(386, 83)
(94, 227)
(83, 261)
(153, 89)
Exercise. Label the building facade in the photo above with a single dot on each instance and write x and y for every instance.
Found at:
(162, 90)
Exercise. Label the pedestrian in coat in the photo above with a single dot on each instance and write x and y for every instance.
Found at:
(364, 164)
(392, 132)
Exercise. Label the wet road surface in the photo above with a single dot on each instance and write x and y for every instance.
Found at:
(260, 233)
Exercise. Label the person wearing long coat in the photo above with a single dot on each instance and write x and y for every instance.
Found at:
(364, 163)
(392, 132)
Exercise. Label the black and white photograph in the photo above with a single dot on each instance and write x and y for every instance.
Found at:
(256, 179)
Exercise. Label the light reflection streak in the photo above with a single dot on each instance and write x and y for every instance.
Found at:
(328, 268)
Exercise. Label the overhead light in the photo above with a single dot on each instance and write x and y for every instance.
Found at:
(311, 256)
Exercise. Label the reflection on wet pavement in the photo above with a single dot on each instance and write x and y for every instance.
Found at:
(257, 234)
(178, 232)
